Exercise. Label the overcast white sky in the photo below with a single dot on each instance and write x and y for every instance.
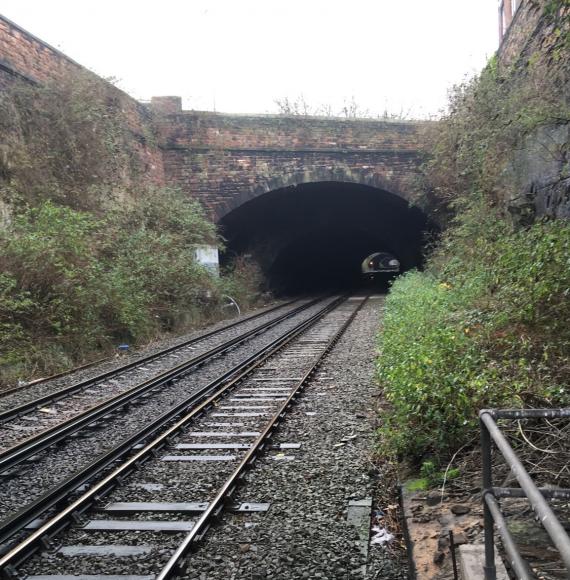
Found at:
(239, 56)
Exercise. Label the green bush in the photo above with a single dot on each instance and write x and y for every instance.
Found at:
(484, 325)
(94, 254)
(151, 268)
(428, 366)
(50, 288)
(73, 284)
(243, 280)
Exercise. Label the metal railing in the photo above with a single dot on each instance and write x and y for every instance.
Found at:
(491, 433)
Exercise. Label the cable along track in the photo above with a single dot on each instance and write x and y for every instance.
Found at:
(180, 480)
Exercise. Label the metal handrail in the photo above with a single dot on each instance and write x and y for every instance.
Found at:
(491, 433)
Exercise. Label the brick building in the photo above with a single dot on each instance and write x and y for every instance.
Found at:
(507, 11)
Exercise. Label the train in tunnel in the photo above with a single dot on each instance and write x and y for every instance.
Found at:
(380, 265)
(327, 236)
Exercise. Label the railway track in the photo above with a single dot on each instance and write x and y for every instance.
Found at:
(36, 466)
(65, 454)
(38, 423)
(39, 381)
(182, 473)
(17, 401)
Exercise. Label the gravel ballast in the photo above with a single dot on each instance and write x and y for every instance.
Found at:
(305, 533)
(56, 463)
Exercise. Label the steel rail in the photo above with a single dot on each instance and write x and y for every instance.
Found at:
(517, 492)
(18, 453)
(25, 408)
(9, 528)
(41, 380)
(176, 562)
(554, 413)
(518, 564)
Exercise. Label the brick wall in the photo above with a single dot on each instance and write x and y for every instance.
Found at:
(537, 179)
(531, 35)
(24, 56)
(229, 159)
(224, 160)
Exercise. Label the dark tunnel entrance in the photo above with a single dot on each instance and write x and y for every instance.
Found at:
(315, 236)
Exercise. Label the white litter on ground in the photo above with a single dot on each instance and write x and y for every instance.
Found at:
(380, 537)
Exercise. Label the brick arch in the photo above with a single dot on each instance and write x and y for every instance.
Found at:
(359, 176)
(227, 160)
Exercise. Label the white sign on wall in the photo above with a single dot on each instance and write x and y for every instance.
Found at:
(208, 257)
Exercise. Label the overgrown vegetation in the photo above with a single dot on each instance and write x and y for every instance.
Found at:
(73, 283)
(92, 253)
(74, 140)
(300, 107)
(486, 323)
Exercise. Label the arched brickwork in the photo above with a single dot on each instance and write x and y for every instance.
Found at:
(227, 160)
(312, 175)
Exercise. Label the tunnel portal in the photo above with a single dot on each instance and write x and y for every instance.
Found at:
(315, 236)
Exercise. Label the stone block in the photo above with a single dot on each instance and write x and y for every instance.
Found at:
(472, 560)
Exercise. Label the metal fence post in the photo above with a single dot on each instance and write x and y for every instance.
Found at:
(486, 452)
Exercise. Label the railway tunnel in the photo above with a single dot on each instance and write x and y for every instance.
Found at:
(314, 236)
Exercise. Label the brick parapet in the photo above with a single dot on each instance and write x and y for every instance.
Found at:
(222, 131)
